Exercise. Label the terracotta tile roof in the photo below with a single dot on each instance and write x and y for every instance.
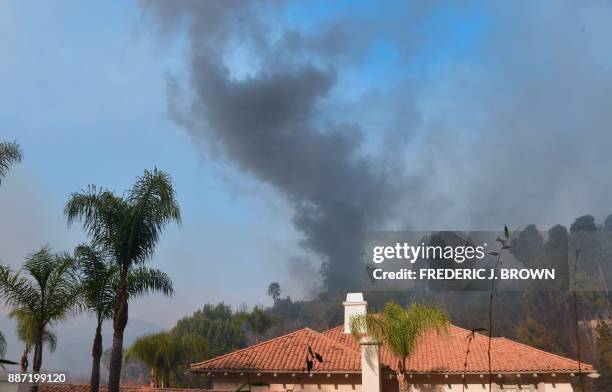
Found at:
(287, 354)
(445, 353)
(435, 353)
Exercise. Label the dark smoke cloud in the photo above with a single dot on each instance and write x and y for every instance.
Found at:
(513, 130)
(269, 124)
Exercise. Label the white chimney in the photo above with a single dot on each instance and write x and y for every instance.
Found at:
(370, 365)
(370, 356)
(353, 306)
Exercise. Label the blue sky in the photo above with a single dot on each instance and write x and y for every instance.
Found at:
(84, 93)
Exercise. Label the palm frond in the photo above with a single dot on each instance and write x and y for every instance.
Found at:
(129, 226)
(7, 362)
(50, 338)
(64, 285)
(100, 213)
(44, 291)
(143, 281)
(97, 278)
(2, 345)
(10, 153)
(27, 331)
(152, 206)
(17, 291)
(400, 328)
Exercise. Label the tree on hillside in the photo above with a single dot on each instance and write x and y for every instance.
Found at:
(47, 292)
(218, 324)
(399, 329)
(27, 331)
(99, 281)
(604, 355)
(259, 321)
(274, 291)
(10, 153)
(528, 246)
(166, 354)
(557, 239)
(192, 348)
(584, 223)
(547, 324)
(608, 223)
(128, 228)
(546, 321)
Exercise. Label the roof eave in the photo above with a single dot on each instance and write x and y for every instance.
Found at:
(268, 371)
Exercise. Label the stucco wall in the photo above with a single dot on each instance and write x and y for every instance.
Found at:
(352, 383)
(284, 382)
(542, 383)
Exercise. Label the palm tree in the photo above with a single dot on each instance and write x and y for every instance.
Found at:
(26, 332)
(274, 291)
(98, 296)
(399, 329)
(10, 153)
(128, 228)
(99, 280)
(48, 293)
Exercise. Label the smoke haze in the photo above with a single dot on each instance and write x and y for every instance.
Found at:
(511, 128)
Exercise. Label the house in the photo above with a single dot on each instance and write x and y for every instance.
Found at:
(438, 363)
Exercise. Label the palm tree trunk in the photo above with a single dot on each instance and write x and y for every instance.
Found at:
(403, 380)
(119, 323)
(24, 363)
(404, 385)
(38, 349)
(96, 353)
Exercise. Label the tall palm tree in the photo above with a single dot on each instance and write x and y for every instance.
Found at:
(10, 153)
(399, 329)
(26, 332)
(274, 291)
(99, 281)
(98, 296)
(48, 292)
(128, 228)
